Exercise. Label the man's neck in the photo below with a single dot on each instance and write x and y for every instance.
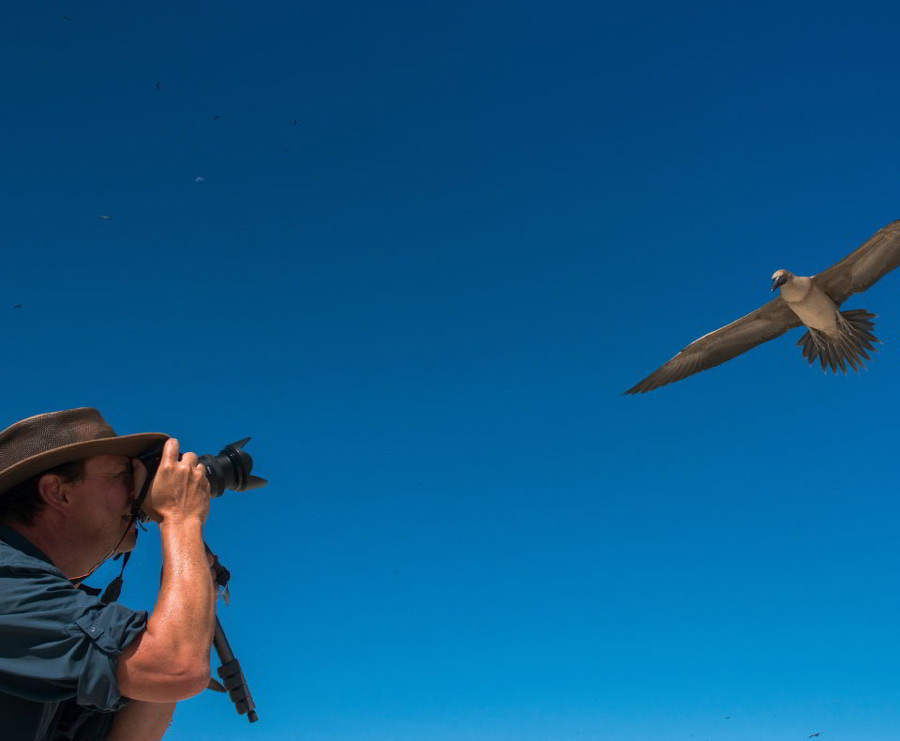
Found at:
(72, 558)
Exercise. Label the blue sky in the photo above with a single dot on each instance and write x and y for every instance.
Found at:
(492, 219)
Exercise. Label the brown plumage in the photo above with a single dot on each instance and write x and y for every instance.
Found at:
(764, 324)
(847, 348)
(836, 339)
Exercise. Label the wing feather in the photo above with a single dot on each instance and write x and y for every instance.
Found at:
(863, 267)
(766, 323)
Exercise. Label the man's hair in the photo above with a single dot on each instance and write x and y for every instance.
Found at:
(23, 503)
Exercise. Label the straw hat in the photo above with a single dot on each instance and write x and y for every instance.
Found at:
(40, 443)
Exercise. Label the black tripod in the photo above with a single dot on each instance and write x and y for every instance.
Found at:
(230, 672)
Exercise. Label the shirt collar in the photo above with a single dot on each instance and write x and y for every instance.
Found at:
(21, 543)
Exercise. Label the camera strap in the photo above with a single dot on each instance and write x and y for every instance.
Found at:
(114, 588)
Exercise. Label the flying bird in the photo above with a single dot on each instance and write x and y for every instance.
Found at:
(159, 86)
(18, 306)
(104, 217)
(216, 118)
(199, 179)
(66, 18)
(814, 735)
(296, 122)
(835, 338)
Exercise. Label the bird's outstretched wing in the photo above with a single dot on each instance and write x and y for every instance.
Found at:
(863, 267)
(766, 323)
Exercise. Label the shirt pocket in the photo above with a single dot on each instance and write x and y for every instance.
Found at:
(91, 625)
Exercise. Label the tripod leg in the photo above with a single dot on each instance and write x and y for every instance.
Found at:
(232, 676)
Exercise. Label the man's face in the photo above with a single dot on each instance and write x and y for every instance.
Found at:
(102, 502)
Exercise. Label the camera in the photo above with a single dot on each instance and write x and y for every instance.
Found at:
(229, 469)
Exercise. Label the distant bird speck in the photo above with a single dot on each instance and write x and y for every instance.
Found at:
(18, 306)
(814, 735)
(296, 122)
(159, 86)
(104, 217)
(287, 150)
(199, 179)
(66, 18)
(216, 118)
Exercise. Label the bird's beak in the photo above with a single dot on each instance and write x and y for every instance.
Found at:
(776, 282)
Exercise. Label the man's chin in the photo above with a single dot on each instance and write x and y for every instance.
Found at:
(129, 541)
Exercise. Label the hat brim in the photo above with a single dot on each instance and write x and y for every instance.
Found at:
(127, 445)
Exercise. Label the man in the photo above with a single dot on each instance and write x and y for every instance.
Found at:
(72, 667)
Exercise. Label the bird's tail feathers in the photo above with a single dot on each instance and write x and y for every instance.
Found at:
(848, 348)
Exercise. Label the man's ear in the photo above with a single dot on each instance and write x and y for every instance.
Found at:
(53, 493)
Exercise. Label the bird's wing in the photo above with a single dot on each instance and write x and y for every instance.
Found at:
(766, 323)
(863, 267)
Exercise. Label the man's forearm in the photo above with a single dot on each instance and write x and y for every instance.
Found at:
(185, 608)
(142, 721)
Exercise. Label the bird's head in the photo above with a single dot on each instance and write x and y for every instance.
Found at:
(780, 278)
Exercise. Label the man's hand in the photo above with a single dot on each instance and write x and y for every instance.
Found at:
(179, 490)
(142, 721)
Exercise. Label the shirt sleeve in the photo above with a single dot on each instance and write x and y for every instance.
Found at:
(58, 643)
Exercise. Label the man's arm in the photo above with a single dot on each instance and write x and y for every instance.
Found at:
(169, 661)
(142, 721)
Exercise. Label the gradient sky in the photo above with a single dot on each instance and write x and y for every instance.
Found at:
(423, 303)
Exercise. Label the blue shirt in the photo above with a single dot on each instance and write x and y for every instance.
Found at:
(59, 649)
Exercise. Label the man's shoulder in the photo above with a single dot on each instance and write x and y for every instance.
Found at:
(30, 585)
(14, 562)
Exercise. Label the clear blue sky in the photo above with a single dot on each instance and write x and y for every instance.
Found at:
(493, 219)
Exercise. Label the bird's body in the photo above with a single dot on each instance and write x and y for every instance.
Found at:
(811, 304)
(836, 338)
